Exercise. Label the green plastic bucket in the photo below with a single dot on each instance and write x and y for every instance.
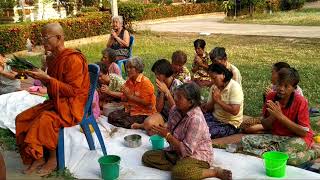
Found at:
(157, 142)
(46, 96)
(109, 166)
(275, 163)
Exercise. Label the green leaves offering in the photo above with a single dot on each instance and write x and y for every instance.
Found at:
(21, 64)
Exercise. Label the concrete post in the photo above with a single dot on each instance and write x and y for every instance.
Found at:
(114, 7)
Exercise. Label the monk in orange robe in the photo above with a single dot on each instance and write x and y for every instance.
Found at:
(67, 81)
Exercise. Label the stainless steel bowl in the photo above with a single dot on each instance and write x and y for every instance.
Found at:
(133, 140)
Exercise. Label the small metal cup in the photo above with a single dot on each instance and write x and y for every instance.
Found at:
(232, 148)
(133, 140)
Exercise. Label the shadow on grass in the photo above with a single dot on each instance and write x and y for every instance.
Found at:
(65, 174)
(7, 140)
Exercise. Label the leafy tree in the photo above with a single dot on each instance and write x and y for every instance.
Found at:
(91, 3)
(68, 5)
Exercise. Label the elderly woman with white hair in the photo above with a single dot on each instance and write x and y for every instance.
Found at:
(137, 95)
(119, 39)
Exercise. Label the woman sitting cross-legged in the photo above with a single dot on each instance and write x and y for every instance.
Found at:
(137, 95)
(166, 84)
(190, 152)
(110, 79)
(286, 115)
(224, 109)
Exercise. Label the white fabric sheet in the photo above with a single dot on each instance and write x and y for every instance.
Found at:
(84, 163)
(13, 104)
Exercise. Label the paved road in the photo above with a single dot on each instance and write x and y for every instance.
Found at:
(212, 24)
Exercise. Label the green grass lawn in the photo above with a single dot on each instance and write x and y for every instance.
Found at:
(303, 17)
(253, 55)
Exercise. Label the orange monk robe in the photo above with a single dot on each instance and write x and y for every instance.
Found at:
(37, 128)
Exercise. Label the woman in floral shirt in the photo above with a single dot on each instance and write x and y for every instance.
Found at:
(189, 155)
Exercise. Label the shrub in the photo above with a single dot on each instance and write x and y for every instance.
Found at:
(180, 10)
(7, 4)
(89, 9)
(91, 2)
(130, 11)
(291, 4)
(156, 1)
(13, 37)
(205, 1)
(168, 2)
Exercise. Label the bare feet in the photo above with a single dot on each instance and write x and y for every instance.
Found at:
(34, 166)
(223, 174)
(48, 168)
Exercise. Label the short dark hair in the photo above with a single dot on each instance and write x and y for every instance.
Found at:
(162, 66)
(289, 75)
(199, 43)
(221, 69)
(279, 65)
(218, 53)
(111, 54)
(192, 93)
(179, 57)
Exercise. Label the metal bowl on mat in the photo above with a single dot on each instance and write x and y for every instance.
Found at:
(133, 140)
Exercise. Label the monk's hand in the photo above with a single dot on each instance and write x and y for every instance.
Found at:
(39, 74)
(162, 87)
(274, 109)
(161, 130)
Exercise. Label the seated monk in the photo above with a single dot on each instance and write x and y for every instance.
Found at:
(68, 84)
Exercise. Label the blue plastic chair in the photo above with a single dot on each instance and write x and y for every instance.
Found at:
(121, 63)
(87, 119)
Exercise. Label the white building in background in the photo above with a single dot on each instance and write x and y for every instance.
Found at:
(43, 10)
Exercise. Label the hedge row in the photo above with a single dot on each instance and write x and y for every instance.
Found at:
(136, 11)
(187, 9)
(13, 37)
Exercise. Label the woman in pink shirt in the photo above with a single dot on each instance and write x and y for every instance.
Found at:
(190, 153)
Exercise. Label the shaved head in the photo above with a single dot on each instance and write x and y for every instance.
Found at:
(53, 29)
(53, 38)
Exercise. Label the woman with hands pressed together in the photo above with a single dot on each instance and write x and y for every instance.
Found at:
(190, 153)
(224, 109)
(119, 39)
(137, 95)
(286, 116)
(166, 85)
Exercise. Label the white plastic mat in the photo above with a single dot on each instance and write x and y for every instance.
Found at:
(84, 163)
(13, 104)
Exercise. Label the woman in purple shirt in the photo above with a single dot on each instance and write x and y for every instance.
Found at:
(190, 153)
